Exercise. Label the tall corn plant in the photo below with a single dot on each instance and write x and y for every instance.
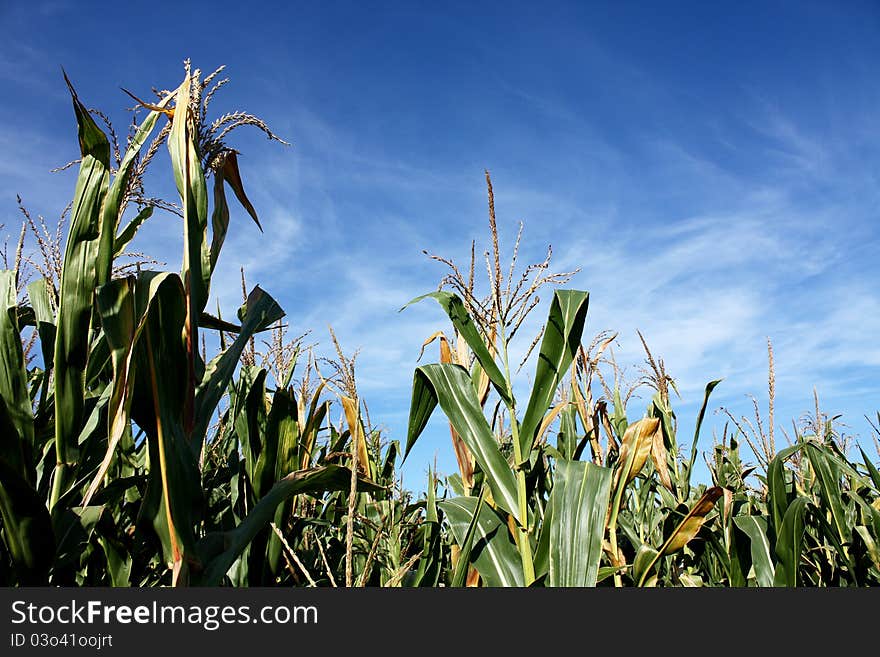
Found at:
(502, 524)
(526, 512)
(121, 355)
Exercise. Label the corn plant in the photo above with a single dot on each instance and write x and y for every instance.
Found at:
(102, 477)
(128, 456)
(613, 501)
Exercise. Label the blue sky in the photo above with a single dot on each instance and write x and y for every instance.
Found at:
(714, 171)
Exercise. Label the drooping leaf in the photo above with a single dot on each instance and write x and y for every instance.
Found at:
(232, 176)
(38, 294)
(450, 385)
(692, 522)
(464, 324)
(493, 553)
(687, 529)
(260, 311)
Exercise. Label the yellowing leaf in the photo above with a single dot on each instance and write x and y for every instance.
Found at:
(686, 529)
(692, 522)
(636, 447)
(548, 420)
(352, 416)
(660, 458)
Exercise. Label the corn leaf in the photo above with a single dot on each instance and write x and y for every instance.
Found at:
(18, 444)
(829, 489)
(702, 414)
(687, 529)
(115, 303)
(579, 503)
(562, 337)
(635, 449)
(27, 528)
(755, 528)
(231, 175)
(493, 553)
(112, 206)
(124, 238)
(643, 563)
(777, 488)
(872, 469)
(789, 543)
(464, 324)
(232, 544)
(173, 499)
(450, 385)
(259, 312)
(78, 281)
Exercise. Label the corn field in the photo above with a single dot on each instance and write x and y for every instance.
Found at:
(131, 456)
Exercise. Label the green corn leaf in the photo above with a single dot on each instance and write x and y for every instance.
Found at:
(190, 180)
(450, 385)
(702, 414)
(112, 210)
(493, 553)
(74, 527)
(260, 312)
(173, 499)
(283, 430)
(116, 305)
(789, 543)
(541, 558)
(430, 563)
(562, 337)
(27, 528)
(311, 481)
(464, 324)
(871, 468)
(78, 282)
(119, 562)
(38, 294)
(466, 544)
(779, 498)
(18, 443)
(643, 563)
(870, 544)
(250, 422)
(579, 504)
(127, 235)
(756, 529)
(828, 478)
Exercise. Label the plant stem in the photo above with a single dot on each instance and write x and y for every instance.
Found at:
(523, 543)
